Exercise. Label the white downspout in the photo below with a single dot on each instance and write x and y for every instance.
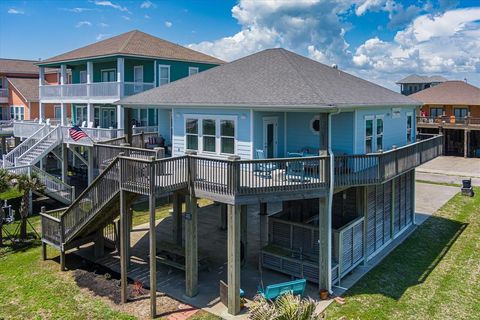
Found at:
(330, 198)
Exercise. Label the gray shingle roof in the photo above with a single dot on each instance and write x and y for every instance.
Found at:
(135, 43)
(28, 88)
(273, 77)
(415, 78)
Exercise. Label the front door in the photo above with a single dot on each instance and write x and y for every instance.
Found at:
(270, 141)
(109, 118)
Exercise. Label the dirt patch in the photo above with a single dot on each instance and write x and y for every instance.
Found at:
(99, 282)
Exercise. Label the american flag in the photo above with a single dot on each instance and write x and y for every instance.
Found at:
(76, 133)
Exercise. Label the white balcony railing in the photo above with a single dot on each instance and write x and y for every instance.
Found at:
(97, 90)
(3, 93)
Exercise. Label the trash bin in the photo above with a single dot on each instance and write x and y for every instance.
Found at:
(467, 183)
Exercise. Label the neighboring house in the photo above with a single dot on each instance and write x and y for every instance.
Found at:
(453, 108)
(337, 150)
(105, 71)
(24, 102)
(25, 73)
(415, 83)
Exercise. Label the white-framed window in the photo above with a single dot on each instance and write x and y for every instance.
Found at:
(17, 112)
(191, 134)
(379, 132)
(80, 115)
(374, 133)
(83, 76)
(315, 125)
(57, 111)
(109, 75)
(211, 134)
(227, 136)
(192, 70)
(138, 78)
(436, 112)
(409, 127)
(163, 74)
(460, 112)
(143, 117)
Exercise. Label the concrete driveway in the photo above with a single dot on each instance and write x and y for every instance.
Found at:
(450, 170)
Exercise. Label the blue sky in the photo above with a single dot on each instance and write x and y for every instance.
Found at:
(380, 40)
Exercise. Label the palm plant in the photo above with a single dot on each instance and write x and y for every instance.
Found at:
(286, 307)
(5, 178)
(26, 184)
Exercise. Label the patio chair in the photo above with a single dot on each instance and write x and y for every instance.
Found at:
(264, 168)
(294, 154)
(296, 171)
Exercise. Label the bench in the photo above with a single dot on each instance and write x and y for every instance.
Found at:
(273, 291)
(173, 255)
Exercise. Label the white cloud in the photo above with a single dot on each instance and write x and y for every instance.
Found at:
(369, 5)
(112, 5)
(126, 18)
(83, 24)
(102, 36)
(103, 25)
(147, 5)
(447, 44)
(295, 25)
(168, 24)
(147, 17)
(15, 11)
(77, 10)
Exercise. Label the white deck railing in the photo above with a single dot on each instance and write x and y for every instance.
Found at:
(97, 90)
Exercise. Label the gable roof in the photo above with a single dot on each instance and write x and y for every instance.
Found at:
(450, 93)
(28, 88)
(17, 66)
(414, 78)
(273, 77)
(135, 43)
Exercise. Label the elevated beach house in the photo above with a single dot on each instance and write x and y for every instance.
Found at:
(337, 152)
(91, 80)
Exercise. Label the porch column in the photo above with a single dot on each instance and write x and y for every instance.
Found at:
(233, 263)
(120, 75)
(153, 252)
(90, 115)
(191, 247)
(177, 218)
(243, 234)
(41, 111)
(41, 76)
(323, 134)
(63, 114)
(89, 78)
(123, 246)
(466, 134)
(90, 165)
(223, 216)
(127, 120)
(63, 74)
(64, 162)
(120, 117)
(323, 233)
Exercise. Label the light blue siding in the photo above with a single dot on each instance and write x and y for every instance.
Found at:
(343, 133)
(258, 117)
(243, 141)
(299, 133)
(395, 129)
(164, 120)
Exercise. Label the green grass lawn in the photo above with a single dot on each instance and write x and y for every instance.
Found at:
(434, 274)
(35, 289)
(12, 193)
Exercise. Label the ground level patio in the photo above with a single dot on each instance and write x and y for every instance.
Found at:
(212, 244)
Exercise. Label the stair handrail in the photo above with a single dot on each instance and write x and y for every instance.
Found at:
(76, 202)
(54, 130)
(66, 187)
(12, 154)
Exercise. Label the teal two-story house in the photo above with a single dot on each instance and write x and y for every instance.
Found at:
(93, 77)
(338, 151)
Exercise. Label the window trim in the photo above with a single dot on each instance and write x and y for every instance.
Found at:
(193, 68)
(436, 108)
(410, 114)
(377, 117)
(217, 118)
(460, 108)
(109, 69)
(367, 118)
(80, 76)
(159, 74)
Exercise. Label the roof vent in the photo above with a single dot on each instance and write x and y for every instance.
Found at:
(334, 66)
